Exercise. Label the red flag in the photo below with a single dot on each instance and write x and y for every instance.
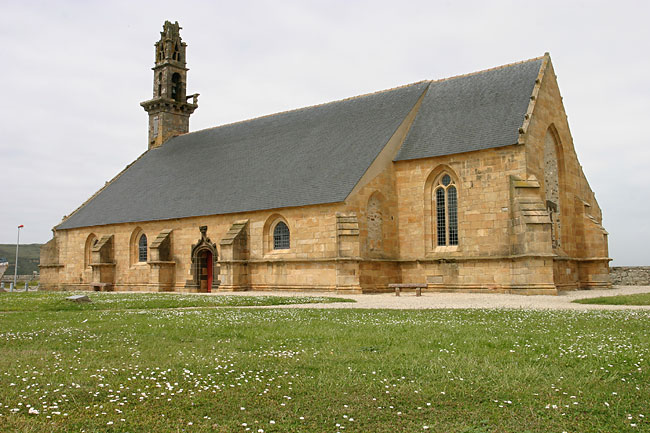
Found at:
(21, 226)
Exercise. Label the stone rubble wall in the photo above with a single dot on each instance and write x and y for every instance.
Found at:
(630, 275)
(22, 278)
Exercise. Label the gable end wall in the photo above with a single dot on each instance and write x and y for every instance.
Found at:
(582, 257)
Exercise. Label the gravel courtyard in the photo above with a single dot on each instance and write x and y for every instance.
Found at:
(408, 300)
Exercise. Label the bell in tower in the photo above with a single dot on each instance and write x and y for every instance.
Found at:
(169, 111)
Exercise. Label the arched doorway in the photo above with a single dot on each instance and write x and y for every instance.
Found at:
(205, 270)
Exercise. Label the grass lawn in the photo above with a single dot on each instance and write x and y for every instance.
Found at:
(295, 370)
(55, 301)
(638, 299)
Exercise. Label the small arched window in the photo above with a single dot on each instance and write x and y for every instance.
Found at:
(281, 236)
(142, 249)
(445, 198)
(176, 86)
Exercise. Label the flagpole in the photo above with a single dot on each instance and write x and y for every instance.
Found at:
(16, 262)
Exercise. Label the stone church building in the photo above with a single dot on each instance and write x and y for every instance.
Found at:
(469, 183)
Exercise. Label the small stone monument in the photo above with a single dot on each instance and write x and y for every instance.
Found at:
(78, 298)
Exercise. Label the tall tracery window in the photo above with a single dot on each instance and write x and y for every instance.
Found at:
(142, 249)
(281, 239)
(445, 198)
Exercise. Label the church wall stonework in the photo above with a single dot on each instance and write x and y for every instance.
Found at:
(484, 259)
(483, 203)
(582, 254)
(50, 264)
(309, 262)
(379, 266)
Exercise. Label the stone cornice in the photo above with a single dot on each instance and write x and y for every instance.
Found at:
(445, 259)
(168, 104)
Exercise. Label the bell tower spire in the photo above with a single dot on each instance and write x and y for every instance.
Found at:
(169, 111)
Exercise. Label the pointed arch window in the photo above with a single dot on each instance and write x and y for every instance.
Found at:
(161, 51)
(176, 86)
(281, 236)
(445, 199)
(177, 54)
(142, 248)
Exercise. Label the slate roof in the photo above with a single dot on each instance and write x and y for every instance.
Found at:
(472, 112)
(308, 156)
(312, 155)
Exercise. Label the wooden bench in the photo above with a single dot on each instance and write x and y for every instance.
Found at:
(101, 287)
(418, 288)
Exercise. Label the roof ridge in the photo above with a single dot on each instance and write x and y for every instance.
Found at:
(495, 68)
(369, 94)
(310, 106)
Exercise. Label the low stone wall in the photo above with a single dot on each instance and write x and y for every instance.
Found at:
(630, 275)
(20, 278)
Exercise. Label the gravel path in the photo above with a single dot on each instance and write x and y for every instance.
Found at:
(462, 300)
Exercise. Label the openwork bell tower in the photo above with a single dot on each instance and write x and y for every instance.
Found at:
(169, 111)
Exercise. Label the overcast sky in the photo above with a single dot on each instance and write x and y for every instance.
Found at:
(74, 72)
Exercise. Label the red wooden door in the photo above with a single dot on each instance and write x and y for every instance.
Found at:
(208, 257)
